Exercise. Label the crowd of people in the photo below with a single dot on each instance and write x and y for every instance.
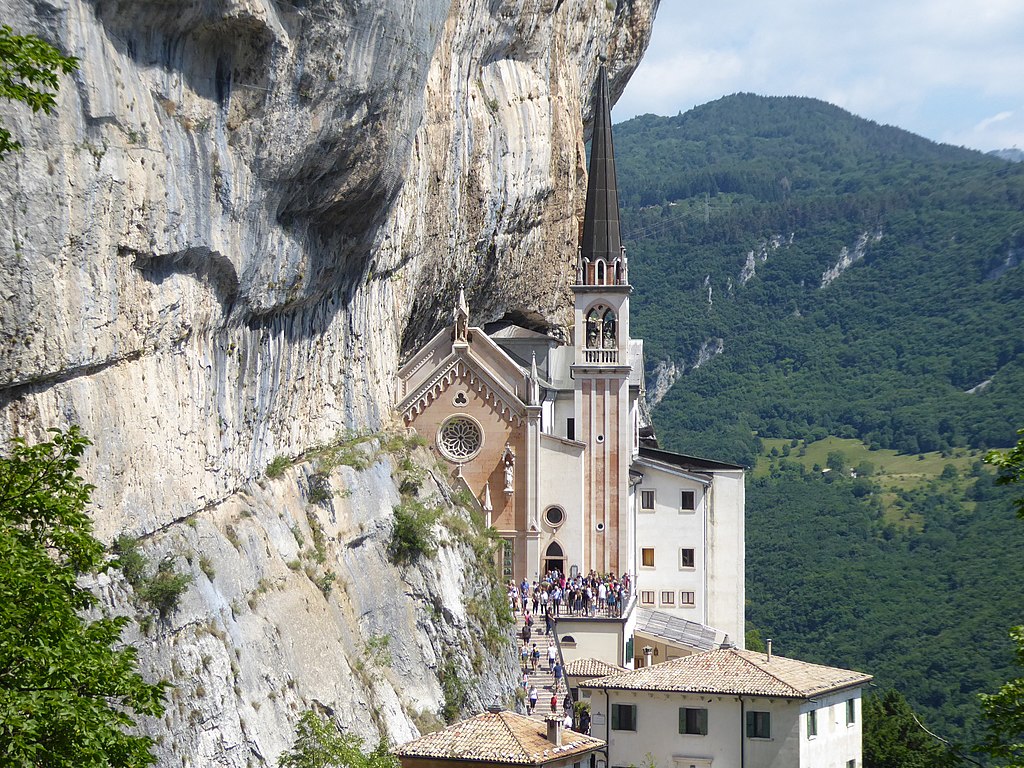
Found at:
(553, 596)
(560, 595)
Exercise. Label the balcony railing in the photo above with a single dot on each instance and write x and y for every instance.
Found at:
(600, 355)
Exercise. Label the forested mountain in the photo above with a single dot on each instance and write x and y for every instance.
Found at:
(800, 272)
(735, 213)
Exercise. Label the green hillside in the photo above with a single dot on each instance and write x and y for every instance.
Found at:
(909, 363)
(888, 350)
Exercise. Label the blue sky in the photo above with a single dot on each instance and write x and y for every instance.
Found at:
(949, 70)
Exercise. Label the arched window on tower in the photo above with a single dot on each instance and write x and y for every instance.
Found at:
(593, 329)
(609, 341)
(600, 273)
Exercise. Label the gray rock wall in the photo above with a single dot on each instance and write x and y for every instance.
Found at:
(216, 251)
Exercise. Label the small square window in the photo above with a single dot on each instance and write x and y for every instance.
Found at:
(686, 558)
(624, 717)
(851, 764)
(812, 724)
(647, 597)
(693, 721)
(668, 597)
(851, 711)
(647, 501)
(647, 557)
(687, 598)
(688, 503)
(759, 725)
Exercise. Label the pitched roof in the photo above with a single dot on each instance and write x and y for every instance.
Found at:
(736, 672)
(601, 237)
(498, 737)
(683, 461)
(590, 668)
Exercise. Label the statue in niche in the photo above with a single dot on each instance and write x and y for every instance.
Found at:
(609, 330)
(508, 459)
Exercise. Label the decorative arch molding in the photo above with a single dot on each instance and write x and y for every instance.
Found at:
(554, 550)
(459, 370)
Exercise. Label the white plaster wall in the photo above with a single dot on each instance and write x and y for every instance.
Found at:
(726, 571)
(594, 639)
(658, 729)
(560, 481)
(836, 742)
(668, 530)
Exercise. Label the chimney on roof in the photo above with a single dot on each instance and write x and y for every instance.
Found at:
(726, 644)
(495, 709)
(768, 643)
(648, 656)
(554, 730)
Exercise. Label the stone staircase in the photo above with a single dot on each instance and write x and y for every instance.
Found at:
(543, 678)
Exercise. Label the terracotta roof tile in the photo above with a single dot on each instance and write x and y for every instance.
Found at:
(591, 668)
(737, 672)
(498, 737)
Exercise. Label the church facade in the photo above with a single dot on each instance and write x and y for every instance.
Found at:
(546, 435)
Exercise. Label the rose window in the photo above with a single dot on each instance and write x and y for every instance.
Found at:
(459, 438)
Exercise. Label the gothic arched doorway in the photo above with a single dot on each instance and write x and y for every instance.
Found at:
(554, 559)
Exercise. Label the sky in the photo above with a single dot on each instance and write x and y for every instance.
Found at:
(949, 70)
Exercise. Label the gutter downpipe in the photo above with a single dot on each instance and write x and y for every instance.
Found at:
(607, 729)
(743, 757)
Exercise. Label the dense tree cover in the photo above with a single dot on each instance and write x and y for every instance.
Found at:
(894, 739)
(888, 350)
(68, 687)
(319, 744)
(1004, 710)
(29, 68)
(925, 612)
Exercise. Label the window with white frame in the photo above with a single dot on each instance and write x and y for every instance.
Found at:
(693, 721)
(688, 502)
(668, 597)
(647, 501)
(759, 725)
(688, 598)
(647, 597)
(851, 711)
(812, 724)
(647, 557)
(623, 717)
(687, 558)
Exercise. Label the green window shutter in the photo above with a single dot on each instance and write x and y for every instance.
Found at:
(615, 717)
(702, 722)
(682, 719)
(750, 725)
(767, 725)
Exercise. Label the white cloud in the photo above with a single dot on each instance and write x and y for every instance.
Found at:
(936, 67)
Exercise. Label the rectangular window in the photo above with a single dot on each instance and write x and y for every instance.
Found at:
(570, 429)
(647, 501)
(623, 717)
(812, 724)
(689, 501)
(759, 725)
(686, 558)
(851, 711)
(647, 557)
(687, 598)
(668, 597)
(851, 764)
(647, 597)
(693, 721)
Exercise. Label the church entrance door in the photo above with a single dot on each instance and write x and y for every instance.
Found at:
(554, 559)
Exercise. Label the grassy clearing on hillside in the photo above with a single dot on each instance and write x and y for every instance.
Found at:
(895, 474)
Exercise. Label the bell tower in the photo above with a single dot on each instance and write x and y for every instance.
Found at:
(601, 368)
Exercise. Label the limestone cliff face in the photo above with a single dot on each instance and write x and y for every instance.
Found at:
(216, 252)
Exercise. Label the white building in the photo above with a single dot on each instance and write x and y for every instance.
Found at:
(546, 435)
(729, 708)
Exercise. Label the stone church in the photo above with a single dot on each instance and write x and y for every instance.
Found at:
(549, 437)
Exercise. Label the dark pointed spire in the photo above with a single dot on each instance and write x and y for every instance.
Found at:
(601, 238)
